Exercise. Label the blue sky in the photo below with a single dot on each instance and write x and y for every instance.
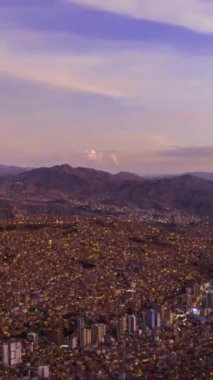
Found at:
(116, 85)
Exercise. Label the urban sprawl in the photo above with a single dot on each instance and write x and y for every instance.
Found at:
(86, 298)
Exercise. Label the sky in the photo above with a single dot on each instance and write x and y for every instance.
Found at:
(115, 85)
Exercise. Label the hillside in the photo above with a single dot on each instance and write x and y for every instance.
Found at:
(58, 185)
(204, 175)
(187, 193)
(11, 170)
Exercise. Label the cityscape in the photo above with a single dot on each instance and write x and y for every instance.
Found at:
(106, 190)
(104, 298)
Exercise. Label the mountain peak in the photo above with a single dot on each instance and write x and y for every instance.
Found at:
(64, 168)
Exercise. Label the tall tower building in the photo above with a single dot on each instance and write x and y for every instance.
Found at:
(98, 333)
(131, 323)
(12, 353)
(157, 320)
(80, 331)
(151, 318)
(161, 309)
(209, 298)
(188, 300)
(196, 290)
(122, 324)
(43, 372)
(87, 337)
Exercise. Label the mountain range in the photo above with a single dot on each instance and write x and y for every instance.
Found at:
(11, 170)
(204, 175)
(50, 191)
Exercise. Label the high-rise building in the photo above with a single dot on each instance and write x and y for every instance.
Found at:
(209, 298)
(98, 332)
(58, 336)
(196, 290)
(43, 372)
(12, 353)
(33, 337)
(122, 324)
(131, 323)
(73, 342)
(151, 318)
(144, 317)
(80, 331)
(87, 337)
(188, 300)
(27, 374)
(157, 320)
(170, 318)
(116, 330)
(161, 310)
(203, 302)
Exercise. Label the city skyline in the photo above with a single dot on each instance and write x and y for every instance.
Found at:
(111, 85)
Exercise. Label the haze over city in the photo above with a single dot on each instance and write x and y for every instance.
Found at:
(114, 85)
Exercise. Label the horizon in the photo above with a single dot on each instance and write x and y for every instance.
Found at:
(116, 86)
(146, 175)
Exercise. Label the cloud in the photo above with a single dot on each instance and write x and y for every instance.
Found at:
(93, 155)
(120, 99)
(197, 152)
(196, 15)
(67, 72)
(149, 77)
(173, 160)
(60, 22)
(140, 153)
(105, 158)
(135, 102)
(114, 159)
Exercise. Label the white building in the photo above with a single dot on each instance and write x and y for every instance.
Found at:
(131, 323)
(32, 336)
(12, 353)
(43, 372)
